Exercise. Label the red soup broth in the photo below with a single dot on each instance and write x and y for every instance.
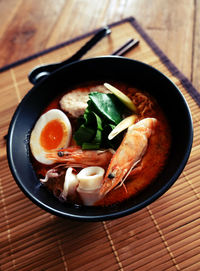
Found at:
(153, 160)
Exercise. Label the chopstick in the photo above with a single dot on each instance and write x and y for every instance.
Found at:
(126, 47)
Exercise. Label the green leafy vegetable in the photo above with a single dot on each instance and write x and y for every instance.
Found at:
(103, 113)
(107, 105)
(84, 134)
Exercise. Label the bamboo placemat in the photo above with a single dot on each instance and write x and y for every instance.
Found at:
(162, 236)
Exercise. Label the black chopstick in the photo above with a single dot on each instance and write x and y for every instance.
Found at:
(126, 47)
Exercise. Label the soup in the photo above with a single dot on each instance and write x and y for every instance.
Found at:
(110, 142)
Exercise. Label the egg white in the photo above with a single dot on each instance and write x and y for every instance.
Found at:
(37, 150)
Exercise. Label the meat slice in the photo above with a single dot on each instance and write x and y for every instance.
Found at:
(75, 101)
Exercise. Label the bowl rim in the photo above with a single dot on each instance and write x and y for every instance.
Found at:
(98, 217)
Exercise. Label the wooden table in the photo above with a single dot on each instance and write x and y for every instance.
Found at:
(31, 26)
(163, 236)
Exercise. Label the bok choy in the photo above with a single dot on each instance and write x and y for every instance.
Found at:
(103, 113)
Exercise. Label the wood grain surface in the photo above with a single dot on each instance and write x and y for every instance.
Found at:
(29, 26)
(163, 236)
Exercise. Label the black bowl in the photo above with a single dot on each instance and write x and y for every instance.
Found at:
(100, 68)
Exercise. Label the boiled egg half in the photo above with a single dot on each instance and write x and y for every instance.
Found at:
(52, 131)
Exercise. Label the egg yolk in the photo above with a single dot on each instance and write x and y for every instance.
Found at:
(52, 134)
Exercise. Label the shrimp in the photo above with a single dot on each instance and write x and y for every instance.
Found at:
(76, 157)
(129, 154)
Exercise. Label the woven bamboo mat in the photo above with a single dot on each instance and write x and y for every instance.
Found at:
(162, 236)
